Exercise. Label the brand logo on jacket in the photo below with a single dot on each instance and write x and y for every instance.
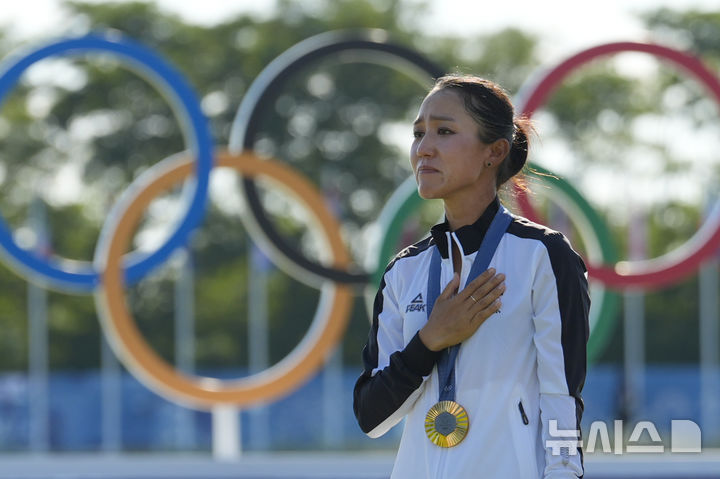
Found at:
(417, 304)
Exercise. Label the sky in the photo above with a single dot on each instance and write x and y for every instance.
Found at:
(561, 24)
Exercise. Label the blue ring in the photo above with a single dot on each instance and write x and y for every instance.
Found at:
(181, 96)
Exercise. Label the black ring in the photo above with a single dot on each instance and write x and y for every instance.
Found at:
(264, 89)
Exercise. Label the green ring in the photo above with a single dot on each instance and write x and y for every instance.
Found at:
(405, 200)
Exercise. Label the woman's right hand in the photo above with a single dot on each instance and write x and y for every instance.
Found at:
(456, 317)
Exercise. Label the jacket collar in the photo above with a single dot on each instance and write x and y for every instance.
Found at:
(470, 236)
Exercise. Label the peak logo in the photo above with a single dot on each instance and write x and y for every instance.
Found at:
(417, 304)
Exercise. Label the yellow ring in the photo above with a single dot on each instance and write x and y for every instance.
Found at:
(137, 355)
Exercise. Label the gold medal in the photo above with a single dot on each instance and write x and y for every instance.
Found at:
(446, 424)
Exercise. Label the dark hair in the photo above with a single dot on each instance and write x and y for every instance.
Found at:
(491, 108)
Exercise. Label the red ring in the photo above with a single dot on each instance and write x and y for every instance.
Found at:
(655, 276)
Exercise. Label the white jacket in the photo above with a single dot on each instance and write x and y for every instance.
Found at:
(519, 376)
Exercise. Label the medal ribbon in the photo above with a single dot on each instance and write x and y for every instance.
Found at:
(446, 363)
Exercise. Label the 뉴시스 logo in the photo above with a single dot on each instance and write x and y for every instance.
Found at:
(685, 437)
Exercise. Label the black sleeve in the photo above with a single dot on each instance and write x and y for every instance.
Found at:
(377, 397)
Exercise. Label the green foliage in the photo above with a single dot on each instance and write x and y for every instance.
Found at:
(585, 95)
(695, 30)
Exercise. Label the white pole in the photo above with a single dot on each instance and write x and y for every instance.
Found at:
(226, 429)
(226, 419)
(185, 341)
(39, 411)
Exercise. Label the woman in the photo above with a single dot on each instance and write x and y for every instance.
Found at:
(479, 331)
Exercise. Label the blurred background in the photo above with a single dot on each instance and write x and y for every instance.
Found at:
(636, 136)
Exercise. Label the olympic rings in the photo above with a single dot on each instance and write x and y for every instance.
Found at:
(686, 259)
(108, 274)
(184, 102)
(125, 338)
(373, 46)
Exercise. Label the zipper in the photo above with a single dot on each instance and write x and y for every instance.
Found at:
(524, 417)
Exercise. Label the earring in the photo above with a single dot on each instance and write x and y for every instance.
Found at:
(489, 164)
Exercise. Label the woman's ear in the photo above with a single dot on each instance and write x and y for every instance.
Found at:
(499, 150)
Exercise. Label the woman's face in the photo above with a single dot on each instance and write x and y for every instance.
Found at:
(447, 157)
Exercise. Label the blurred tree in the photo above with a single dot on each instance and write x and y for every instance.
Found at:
(695, 30)
(89, 120)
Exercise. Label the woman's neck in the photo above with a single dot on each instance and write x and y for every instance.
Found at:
(462, 212)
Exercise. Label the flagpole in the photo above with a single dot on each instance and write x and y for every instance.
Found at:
(634, 324)
(709, 283)
(258, 339)
(111, 394)
(185, 341)
(37, 298)
(333, 400)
